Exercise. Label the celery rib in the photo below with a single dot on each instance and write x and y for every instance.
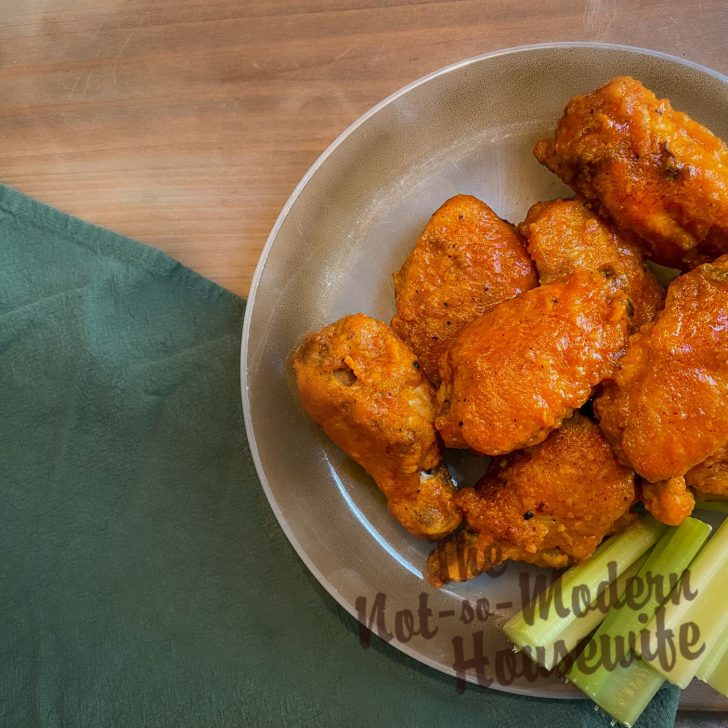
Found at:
(623, 689)
(677, 641)
(538, 628)
(714, 669)
(581, 627)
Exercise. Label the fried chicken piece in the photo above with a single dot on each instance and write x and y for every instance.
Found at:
(666, 408)
(549, 505)
(652, 170)
(564, 236)
(711, 476)
(466, 261)
(513, 375)
(669, 501)
(365, 388)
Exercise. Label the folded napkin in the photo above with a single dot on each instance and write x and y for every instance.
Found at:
(143, 578)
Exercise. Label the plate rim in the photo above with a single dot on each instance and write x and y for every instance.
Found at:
(261, 264)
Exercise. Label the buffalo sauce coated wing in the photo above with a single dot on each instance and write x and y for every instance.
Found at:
(466, 261)
(711, 476)
(549, 505)
(669, 501)
(365, 388)
(652, 170)
(563, 236)
(512, 375)
(666, 408)
(672, 501)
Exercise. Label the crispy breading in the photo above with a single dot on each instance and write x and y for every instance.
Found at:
(666, 408)
(711, 476)
(549, 505)
(563, 236)
(466, 261)
(669, 501)
(513, 375)
(365, 388)
(650, 169)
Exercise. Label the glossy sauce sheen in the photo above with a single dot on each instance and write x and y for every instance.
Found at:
(550, 504)
(650, 169)
(664, 411)
(669, 501)
(466, 261)
(513, 375)
(564, 236)
(711, 476)
(365, 388)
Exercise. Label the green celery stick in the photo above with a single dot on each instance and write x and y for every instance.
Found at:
(719, 677)
(541, 624)
(624, 692)
(581, 627)
(688, 625)
(607, 670)
(714, 669)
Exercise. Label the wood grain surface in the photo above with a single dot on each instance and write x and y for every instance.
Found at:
(187, 123)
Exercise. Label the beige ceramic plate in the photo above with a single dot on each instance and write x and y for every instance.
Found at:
(350, 222)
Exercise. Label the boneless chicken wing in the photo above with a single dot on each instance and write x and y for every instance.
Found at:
(564, 236)
(549, 505)
(666, 408)
(711, 476)
(669, 501)
(650, 169)
(672, 501)
(366, 389)
(466, 261)
(512, 375)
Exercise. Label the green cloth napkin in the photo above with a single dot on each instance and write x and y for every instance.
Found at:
(143, 578)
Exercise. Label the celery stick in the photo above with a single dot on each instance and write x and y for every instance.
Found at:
(581, 627)
(714, 669)
(719, 677)
(624, 692)
(617, 681)
(541, 624)
(686, 628)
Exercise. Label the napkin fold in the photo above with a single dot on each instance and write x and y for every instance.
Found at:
(143, 578)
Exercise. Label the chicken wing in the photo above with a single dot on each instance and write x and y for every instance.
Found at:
(366, 389)
(669, 501)
(563, 236)
(672, 501)
(512, 375)
(549, 505)
(652, 170)
(666, 408)
(466, 261)
(711, 476)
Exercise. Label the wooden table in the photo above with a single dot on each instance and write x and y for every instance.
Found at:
(187, 123)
